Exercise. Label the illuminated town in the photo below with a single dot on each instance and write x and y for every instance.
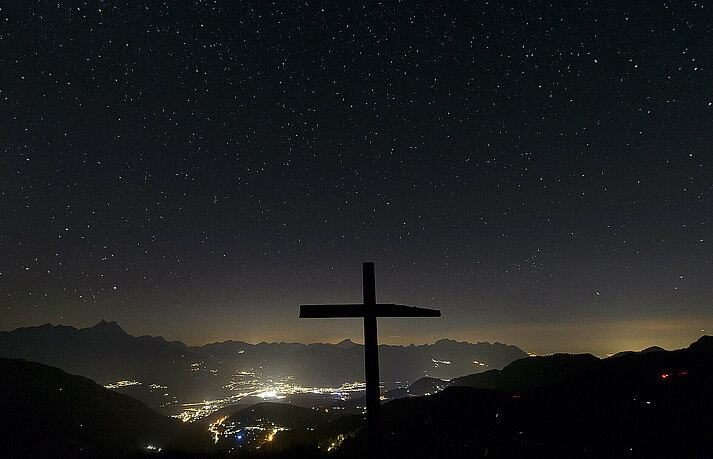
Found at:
(244, 387)
(254, 437)
(125, 383)
(258, 383)
(244, 384)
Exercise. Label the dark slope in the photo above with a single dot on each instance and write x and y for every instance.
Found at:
(282, 414)
(458, 422)
(426, 386)
(583, 369)
(531, 372)
(655, 404)
(49, 413)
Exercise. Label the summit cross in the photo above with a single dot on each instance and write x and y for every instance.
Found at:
(369, 311)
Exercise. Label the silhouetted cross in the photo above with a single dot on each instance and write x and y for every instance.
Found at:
(369, 310)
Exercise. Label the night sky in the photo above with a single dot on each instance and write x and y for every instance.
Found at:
(542, 173)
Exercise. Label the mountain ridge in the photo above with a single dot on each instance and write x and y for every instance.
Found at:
(114, 325)
(558, 369)
(107, 354)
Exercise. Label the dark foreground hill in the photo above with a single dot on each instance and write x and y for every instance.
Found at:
(622, 370)
(49, 413)
(653, 404)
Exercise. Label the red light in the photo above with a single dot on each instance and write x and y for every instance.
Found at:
(665, 375)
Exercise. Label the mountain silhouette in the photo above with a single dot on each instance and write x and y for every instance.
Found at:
(629, 367)
(108, 327)
(426, 386)
(531, 372)
(49, 413)
(643, 405)
(106, 353)
(346, 344)
(644, 351)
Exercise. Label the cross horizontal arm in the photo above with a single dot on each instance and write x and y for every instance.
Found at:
(317, 311)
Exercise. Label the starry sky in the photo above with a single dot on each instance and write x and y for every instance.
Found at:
(541, 172)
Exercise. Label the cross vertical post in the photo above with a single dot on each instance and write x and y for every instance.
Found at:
(371, 358)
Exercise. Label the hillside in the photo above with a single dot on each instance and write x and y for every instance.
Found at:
(628, 368)
(652, 404)
(49, 413)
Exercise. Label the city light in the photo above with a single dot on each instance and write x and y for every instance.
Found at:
(250, 382)
(118, 384)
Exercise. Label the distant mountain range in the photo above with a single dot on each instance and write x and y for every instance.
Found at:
(106, 354)
(49, 413)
